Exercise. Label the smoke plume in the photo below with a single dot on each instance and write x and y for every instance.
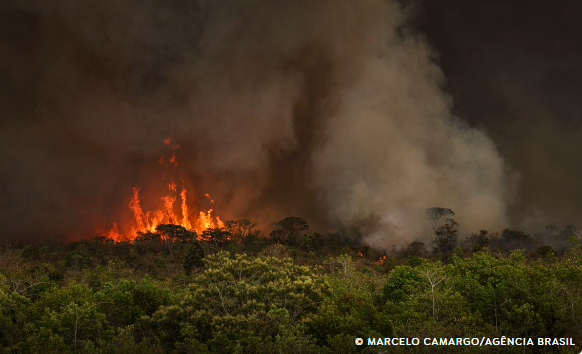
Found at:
(513, 69)
(329, 110)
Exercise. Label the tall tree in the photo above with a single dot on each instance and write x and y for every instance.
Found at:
(445, 229)
(287, 230)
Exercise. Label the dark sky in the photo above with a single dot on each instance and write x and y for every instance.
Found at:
(514, 68)
(89, 90)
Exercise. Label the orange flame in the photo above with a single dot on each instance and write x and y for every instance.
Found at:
(135, 205)
(205, 221)
(148, 221)
(173, 160)
(185, 220)
(219, 223)
(169, 209)
(114, 233)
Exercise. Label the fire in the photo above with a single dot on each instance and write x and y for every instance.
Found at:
(205, 221)
(114, 233)
(381, 260)
(185, 220)
(148, 221)
(169, 209)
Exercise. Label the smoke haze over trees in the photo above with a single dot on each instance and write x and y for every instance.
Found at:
(336, 111)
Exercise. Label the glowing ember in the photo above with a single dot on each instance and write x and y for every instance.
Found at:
(173, 160)
(148, 221)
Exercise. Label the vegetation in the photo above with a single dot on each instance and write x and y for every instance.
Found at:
(238, 291)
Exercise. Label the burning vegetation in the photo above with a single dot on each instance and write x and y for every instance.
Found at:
(174, 209)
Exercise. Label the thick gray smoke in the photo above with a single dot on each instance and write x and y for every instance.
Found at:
(330, 110)
(519, 77)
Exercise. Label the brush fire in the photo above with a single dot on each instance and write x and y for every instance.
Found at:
(173, 207)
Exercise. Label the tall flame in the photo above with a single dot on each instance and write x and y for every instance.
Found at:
(114, 233)
(185, 220)
(148, 221)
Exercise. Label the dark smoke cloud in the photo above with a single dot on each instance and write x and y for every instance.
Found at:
(513, 68)
(330, 110)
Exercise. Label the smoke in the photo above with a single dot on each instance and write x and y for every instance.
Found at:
(513, 68)
(329, 110)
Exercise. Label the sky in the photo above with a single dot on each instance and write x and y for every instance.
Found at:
(513, 69)
(355, 115)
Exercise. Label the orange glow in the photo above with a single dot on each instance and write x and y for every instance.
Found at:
(207, 195)
(185, 220)
(169, 209)
(135, 205)
(360, 254)
(173, 160)
(148, 221)
(381, 260)
(219, 223)
(114, 233)
(205, 221)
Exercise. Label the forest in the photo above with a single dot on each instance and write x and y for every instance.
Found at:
(252, 176)
(238, 290)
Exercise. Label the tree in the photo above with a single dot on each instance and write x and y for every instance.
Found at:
(76, 323)
(312, 241)
(415, 248)
(422, 301)
(69, 315)
(479, 241)
(217, 237)
(240, 302)
(435, 276)
(546, 252)
(124, 302)
(445, 229)
(515, 239)
(446, 237)
(439, 216)
(148, 242)
(175, 233)
(240, 229)
(231, 286)
(350, 310)
(193, 258)
(287, 230)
